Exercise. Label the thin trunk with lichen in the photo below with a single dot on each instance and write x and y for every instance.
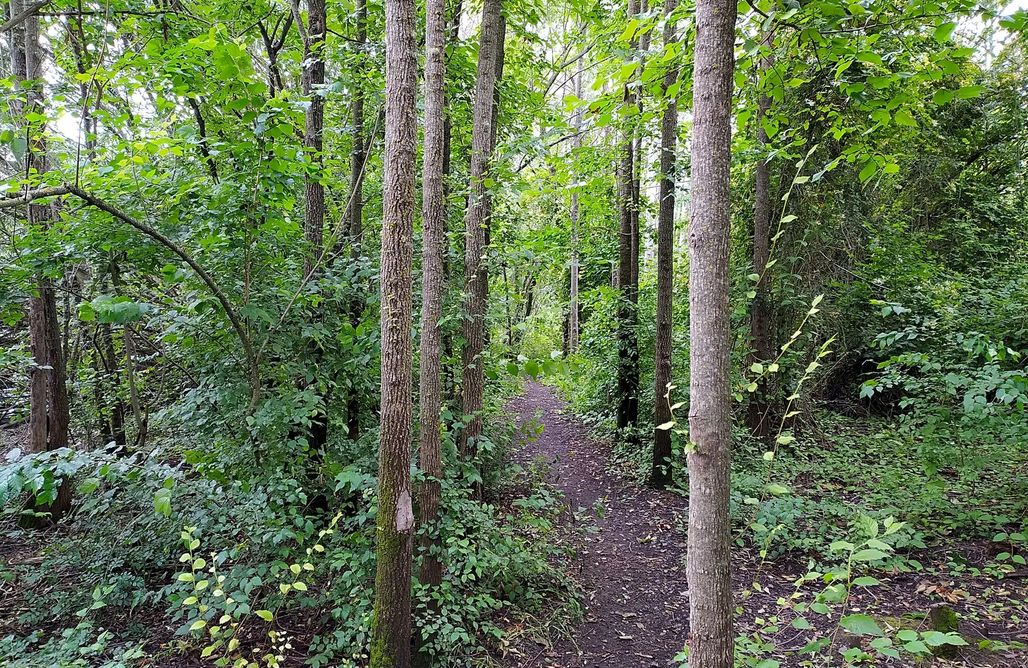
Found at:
(434, 248)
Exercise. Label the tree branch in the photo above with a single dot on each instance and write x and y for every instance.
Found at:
(230, 311)
(18, 18)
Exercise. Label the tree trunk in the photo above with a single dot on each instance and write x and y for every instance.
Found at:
(708, 569)
(660, 474)
(475, 223)
(637, 174)
(757, 419)
(48, 399)
(434, 248)
(628, 351)
(573, 326)
(355, 210)
(449, 382)
(391, 625)
(312, 79)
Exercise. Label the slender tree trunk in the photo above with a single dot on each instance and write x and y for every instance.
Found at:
(637, 174)
(355, 209)
(708, 569)
(128, 347)
(660, 474)
(573, 326)
(112, 427)
(449, 384)
(628, 351)
(391, 625)
(475, 223)
(757, 419)
(434, 245)
(48, 398)
(312, 79)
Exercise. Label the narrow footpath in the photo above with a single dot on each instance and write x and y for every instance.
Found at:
(632, 568)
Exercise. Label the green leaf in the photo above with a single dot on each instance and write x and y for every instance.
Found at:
(938, 639)
(869, 555)
(870, 167)
(944, 31)
(861, 625)
(266, 615)
(968, 92)
(162, 502)
(903, 117)
(943, 96)
(776, 489)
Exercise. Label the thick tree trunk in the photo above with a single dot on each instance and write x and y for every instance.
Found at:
(391, 625)
(708, 569)
(660, 474)
(434, 248)
(48, 398)
(355, 210)
(757, 418)
(628, 350)
(475, 224)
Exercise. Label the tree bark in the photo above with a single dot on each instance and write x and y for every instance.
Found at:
(628, 350)
(312, 79)
(391, 624)
(434, 248)
(573, 326)
(355, 209)
(708, 569)
(48, 393)
(660, 473)
(757, 419)
(475, 224)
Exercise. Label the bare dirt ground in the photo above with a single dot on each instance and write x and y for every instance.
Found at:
(632, 566)
(632, 569)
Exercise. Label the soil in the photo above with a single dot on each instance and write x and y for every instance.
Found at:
(632, 569)
(632, 566)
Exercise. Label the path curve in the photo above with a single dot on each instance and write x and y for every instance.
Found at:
(632, 568)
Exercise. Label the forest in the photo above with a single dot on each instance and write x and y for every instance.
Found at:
(496, 333)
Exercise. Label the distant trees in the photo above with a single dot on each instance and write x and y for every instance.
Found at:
(710, 420)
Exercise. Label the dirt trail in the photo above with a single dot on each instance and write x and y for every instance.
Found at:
(632, 568)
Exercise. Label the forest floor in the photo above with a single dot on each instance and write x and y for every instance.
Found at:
(628, 543)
